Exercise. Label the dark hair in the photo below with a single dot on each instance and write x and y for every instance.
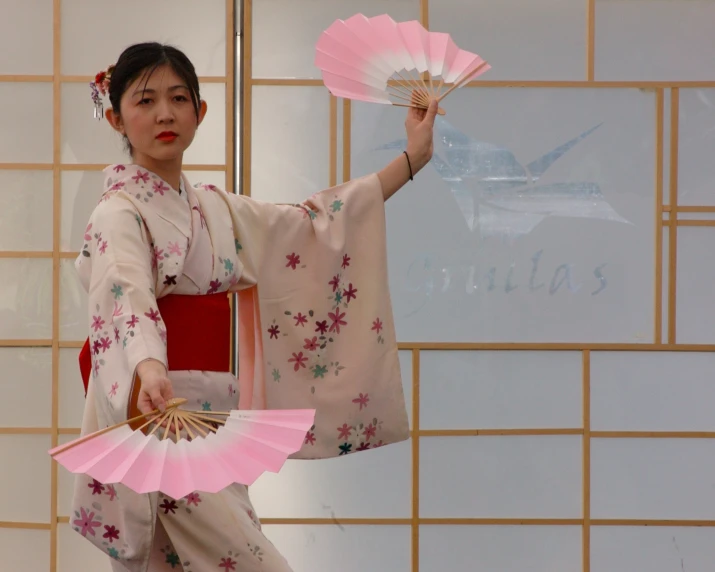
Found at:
(142, 60)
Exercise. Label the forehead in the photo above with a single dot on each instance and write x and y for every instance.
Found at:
(159, 79)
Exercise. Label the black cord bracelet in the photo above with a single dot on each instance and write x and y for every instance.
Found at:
(408, 164)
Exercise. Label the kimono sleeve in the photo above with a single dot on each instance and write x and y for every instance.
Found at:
(125, 327)
(315, 275)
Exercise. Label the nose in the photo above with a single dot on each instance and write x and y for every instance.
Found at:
(164, 112)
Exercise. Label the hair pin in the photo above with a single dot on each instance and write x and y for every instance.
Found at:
(100, 87)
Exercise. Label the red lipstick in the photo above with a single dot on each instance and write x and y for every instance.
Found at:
(167, 136)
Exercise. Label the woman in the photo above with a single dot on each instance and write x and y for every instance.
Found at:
(159, 258)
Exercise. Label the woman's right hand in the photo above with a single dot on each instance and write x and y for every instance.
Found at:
(156, 387)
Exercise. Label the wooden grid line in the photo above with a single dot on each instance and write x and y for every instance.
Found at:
(590, 47)
(333, 142)
(673, 231)
(586, 469)
(415, 521)
(56, 218)
(91, 167)
(230, 158)
(347, 139)
(658, 296)
(29, 78)
(248, 82)
(576, 84)
(487, 521)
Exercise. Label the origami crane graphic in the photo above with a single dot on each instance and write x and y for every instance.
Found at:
(501, 198)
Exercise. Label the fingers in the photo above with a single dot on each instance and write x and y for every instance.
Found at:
(431, 112)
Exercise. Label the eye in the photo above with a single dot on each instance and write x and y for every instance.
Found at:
(145, 101)
(181, 98)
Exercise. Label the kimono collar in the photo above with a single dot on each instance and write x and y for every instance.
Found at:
(149, 191)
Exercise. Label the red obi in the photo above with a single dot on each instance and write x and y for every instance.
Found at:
(198, 330)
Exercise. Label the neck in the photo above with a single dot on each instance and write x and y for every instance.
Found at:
(169, 170)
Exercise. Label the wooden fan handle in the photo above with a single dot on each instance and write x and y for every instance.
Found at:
(440, 111)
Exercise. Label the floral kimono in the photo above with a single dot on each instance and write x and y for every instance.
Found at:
(316, 331)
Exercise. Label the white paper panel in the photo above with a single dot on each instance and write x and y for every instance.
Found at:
(71, 396)
(74, 553)
(28, 472)
(25, 387)
(509, 477)
(500, 389)
(25, 298)
(285, 31)
(665, 40)
(25, 550)
(651, 549)
(652, 391)
(28, 19)
(696, 146)
(652, 478)
(290, 143)
(479, 251)
(28, 117)
(344, 548)
(695, 279)
(500, 548)
(197, 28)
(81, 191)
(74, 324)
(316, 488)
(84, 139)
(25, 210)
(209, 145)
(521, 39)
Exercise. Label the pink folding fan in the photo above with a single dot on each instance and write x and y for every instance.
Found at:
(207, 453)
(380, 61)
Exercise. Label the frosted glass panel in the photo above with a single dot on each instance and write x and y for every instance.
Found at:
(71, 398)
(25, 298)
(28, 19)
(521, 39)
(532, 223)
(290, 143)
(695, 276)
(506, 477)
(501, 389)
(651, 549)
(652, 391)
(30, 122)
(29, 472)
(25, 550)
(652, 478)
(74, 325)
(25, 387)
(696, 147)
(25, 210)
(209, 145)
(666, 40)
(343, 548)
(316, 489)
(197, 28)
(81, 191)
(285, 31)
(75, 553)
(500, 548)
(84, 139)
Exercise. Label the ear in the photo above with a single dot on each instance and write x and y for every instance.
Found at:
(115, 120)
(203, 107)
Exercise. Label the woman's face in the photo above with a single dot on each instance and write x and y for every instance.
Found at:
(158, 116)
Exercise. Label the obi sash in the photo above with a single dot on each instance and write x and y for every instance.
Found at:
(198, 334)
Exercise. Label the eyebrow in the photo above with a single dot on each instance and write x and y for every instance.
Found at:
(152, 91)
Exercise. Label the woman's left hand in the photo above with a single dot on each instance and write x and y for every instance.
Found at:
(420, 133)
